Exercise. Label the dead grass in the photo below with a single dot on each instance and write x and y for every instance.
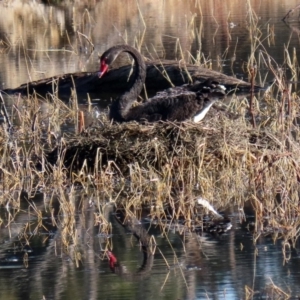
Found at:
(162, 167)
(170, 164)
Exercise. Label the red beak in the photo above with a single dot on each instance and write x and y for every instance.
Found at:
(103, 68)
(112, 259)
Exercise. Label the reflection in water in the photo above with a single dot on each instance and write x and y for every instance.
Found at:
(38, 41)
(67, 261)
(61, 256)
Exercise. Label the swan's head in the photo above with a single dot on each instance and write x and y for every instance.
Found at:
(107, 58)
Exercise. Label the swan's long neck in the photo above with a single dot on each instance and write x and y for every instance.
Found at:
(121, 106)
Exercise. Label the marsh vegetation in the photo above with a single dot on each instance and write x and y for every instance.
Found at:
(63, 163)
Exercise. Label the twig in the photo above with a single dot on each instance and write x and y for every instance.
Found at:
(5, 111)
(87, 38)
(141, 15)
(81, 122)
(51, 50)
(289, 12)
(252, 73)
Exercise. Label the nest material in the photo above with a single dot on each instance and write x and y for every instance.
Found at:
(217, 141)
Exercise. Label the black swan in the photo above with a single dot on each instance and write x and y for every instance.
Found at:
(176, 104)
(159, 75)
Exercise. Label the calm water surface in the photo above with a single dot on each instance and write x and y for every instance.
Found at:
(40, 40)
(199, 266)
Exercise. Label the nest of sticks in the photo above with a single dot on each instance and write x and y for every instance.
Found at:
(216, 144)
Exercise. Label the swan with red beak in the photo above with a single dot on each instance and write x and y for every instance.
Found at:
(175, 104)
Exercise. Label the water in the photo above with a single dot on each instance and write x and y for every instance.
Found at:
(40, 40)
(199, 266)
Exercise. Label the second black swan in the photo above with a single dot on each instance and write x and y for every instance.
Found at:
(176, 104)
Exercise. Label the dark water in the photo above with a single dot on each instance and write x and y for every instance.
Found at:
(39, 40)
(198, 266)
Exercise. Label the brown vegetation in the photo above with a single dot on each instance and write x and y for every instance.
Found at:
(163, 167)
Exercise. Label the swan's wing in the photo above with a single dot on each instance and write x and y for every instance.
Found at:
(168, 106)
